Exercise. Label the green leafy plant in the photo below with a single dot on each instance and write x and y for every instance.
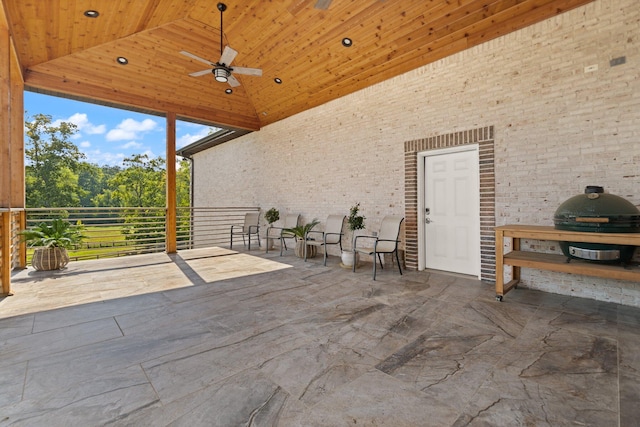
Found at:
(272, 215)
(355, 221)
(56, 234)
(301, 230)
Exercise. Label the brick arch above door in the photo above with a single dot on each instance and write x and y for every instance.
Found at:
(484, 138)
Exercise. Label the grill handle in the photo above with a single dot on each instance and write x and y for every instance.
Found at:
(592, 220)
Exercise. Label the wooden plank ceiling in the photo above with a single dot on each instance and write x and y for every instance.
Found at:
(64, 52)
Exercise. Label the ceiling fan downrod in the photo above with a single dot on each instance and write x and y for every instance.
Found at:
(221, 7)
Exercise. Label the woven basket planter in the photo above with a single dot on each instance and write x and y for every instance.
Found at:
(299, 250)
(49, 258)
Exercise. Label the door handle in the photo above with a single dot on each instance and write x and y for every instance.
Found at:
(427, 220)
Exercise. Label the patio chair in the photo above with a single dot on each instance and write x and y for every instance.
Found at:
(332, 235)
(385, 242)
(250, 227)
(290, 221)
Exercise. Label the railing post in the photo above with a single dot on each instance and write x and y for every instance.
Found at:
(22, 248)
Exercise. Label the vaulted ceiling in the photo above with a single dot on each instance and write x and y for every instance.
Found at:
(64, 52)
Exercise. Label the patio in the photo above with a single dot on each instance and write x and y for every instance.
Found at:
(217, 337)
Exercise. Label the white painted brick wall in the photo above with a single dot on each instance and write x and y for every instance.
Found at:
(557, 129)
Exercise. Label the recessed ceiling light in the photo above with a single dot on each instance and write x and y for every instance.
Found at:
(347, 42)
(278, 80)
(228, 91)
(122, 60)
(91, 13)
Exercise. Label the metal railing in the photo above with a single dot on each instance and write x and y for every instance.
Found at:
(114, 232)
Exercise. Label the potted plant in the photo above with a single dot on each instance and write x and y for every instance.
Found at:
(51, 241)
(272, 215)
(300, 232)
(355, 221)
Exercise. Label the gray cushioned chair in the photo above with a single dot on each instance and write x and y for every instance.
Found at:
(385, 242)
(250, 227)
(278, 233)
(332, 235)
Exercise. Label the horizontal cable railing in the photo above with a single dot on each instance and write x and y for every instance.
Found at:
(114, 232)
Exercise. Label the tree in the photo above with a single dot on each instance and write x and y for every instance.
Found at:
(140, 183)
(183, 183)
(92, 180)
(52, 164)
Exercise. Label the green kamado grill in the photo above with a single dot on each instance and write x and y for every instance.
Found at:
(597, 212)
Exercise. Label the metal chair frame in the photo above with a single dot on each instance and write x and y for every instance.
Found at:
(290, 221)
(326, 237)
(385, 242)
(250, 226)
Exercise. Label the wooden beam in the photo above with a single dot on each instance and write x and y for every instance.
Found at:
(171, 240)
(96, 92)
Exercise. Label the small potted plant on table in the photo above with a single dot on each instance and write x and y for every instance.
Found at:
(51, 241)
(355, 221)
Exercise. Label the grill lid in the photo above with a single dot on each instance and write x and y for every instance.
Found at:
(597, 211)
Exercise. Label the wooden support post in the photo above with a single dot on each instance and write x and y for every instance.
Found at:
(6, 151)
(5, 261)
(171, 225)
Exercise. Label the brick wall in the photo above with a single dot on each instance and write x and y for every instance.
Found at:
(556, 129)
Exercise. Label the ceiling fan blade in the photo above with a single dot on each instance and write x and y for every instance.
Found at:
(197, 58)
(228, 55)
(200, 73)
(248, 71)
(233, 82)
(323, 4)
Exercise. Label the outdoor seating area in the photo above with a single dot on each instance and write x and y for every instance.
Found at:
(223, 338)
(380, 214)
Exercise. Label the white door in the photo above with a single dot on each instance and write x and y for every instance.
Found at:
(452, 211)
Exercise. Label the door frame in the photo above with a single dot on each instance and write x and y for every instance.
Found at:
(421, 157)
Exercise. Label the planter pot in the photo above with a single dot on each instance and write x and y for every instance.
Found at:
(266, 243)
(312, 251)
(49, 258)
(348, 258)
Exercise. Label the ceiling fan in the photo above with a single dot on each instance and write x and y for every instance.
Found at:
(222, 70)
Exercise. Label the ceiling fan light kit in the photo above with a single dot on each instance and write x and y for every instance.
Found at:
(221, 74)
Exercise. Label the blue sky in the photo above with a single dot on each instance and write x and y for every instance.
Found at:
(108, 135)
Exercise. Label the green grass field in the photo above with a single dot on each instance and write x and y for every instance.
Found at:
(101, 242)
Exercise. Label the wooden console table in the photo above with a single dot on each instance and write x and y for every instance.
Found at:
(556, 262)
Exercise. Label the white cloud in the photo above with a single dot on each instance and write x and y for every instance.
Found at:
(131, 144)
(84, 125)
(85, 144)
(100, 158)
(131, 129)
(189, 138)
(149, 154)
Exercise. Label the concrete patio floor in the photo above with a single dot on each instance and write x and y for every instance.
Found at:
(214, 337)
